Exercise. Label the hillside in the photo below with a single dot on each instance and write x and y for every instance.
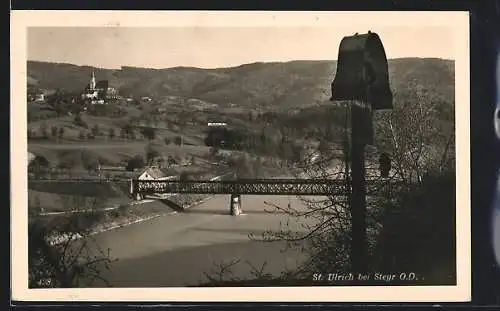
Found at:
(263, 85)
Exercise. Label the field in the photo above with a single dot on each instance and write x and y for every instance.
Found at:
(50, 201)
(105, 124)
(111, 152)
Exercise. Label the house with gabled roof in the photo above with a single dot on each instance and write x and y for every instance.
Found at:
(152, 173)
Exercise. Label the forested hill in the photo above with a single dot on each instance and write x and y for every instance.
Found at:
(276, 85)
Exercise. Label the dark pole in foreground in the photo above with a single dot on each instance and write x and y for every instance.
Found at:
(359, 246)
(347, 158)
(362, 75)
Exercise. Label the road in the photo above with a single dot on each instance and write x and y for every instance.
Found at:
(176, 250)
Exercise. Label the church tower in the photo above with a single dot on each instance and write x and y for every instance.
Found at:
(92, 81)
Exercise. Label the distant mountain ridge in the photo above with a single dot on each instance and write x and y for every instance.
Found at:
(274, 84)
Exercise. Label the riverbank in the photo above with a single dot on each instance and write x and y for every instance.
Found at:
(99, 221)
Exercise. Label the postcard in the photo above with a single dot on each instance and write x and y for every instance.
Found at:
(205, 156)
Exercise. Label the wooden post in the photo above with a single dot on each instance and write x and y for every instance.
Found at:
(359, 245)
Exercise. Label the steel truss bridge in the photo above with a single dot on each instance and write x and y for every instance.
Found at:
(306, 187)
(312, 187)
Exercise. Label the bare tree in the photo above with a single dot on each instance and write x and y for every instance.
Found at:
(152, 153)
(244, 166)
(420, 144)
(222, 271)
(68, 161)
(44, 130)
(178, 140)
(418, 139)
(62, 253)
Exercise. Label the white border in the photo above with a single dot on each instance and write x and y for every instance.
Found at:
(20, 20)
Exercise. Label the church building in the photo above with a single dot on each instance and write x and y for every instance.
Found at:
(99, 92)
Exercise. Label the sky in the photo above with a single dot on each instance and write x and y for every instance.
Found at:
(214, 47)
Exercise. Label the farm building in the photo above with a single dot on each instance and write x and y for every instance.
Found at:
(152, 173)
(37, 95)
(40, 97)
(147, 174)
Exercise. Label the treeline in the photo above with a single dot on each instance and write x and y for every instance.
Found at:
(268, 142)
(124, 131)
(56, 133)
(276, 132)
(67, 162)
(282, 134)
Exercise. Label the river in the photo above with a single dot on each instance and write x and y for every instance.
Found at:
(178, 249)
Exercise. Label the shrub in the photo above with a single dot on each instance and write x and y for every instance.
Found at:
(148, 133)
(135, 163)
(61, 132)
(419, 230)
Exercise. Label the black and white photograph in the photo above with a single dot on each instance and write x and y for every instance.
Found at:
(217, 152)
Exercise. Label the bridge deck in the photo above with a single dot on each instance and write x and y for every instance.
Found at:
(250, 186)
(240, 186)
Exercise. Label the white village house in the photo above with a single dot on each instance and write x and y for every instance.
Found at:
(150, 173)
(31, 157)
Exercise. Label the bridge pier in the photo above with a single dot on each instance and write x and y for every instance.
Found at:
(235, 205)
(138, 196)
